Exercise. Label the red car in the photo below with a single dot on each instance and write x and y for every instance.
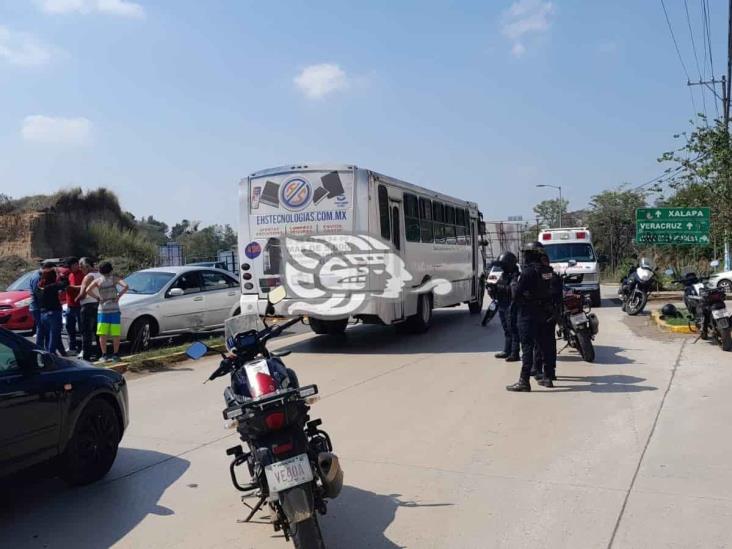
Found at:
(14, 305)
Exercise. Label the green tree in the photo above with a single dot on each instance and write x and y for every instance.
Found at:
(611, 220)
(551, 211)
(156, 231)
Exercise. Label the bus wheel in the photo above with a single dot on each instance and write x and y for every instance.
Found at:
(328, 327)
(421, 322)
(476, 306)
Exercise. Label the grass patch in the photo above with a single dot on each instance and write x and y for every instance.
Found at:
(156, 354)
(682, 320)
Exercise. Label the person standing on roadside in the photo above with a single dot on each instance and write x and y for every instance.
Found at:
(89, 310)
(535, 317)
(109, 318)
(49, 288)
(73, 308)
(35, 307)
(506, 307)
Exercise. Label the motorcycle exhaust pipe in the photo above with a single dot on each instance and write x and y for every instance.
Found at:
(594, 323)
(330, 473)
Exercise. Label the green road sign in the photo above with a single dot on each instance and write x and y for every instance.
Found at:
(672, 226)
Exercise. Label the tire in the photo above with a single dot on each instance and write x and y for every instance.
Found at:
(141, 332)
(328, 327)
(421, 322)
(725, 338)
(307, 535)
(93, 446)
(635, 306)
(596, 299)
(475, 307)
(586, 349)
(725, 285)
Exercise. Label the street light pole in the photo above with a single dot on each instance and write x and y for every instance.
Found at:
(561, 202)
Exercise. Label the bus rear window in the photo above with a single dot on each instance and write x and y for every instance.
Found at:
(384, 218)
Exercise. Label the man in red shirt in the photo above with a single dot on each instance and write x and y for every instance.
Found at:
(73, 312)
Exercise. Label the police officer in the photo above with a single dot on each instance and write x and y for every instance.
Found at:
(535, 317)
(556, 290)
(506, 308)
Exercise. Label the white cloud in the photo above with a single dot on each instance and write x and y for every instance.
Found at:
(317, 81)
(123, 8)
(526, 17)
(20, 48)
(56, 130)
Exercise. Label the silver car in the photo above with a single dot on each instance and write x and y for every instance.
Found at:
(174, 300)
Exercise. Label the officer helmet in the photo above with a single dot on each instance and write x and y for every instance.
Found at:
(669, 311)
(507, 261)
(533, 251)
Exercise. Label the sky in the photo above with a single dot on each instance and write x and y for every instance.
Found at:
(170, 103)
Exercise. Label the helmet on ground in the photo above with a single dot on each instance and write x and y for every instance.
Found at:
(670, 311)
(507, 261)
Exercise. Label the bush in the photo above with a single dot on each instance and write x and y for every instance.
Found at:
(124, 245)
(11, 267)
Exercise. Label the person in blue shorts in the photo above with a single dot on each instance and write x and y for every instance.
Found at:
(108, 289)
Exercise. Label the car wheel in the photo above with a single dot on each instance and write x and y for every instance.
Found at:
(93, 447)
(140, 334)
(725, 285)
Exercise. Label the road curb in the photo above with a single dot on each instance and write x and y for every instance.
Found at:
(156, 362)
(656, 316)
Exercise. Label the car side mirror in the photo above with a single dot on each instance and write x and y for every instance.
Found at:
(176, 292)
(572, 263)
(43, 360)
(481, 228)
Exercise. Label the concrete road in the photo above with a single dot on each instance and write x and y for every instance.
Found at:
(631, 451)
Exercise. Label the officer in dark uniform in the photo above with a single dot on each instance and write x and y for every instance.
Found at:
(506, 308)
(535, 317)
(557, 289)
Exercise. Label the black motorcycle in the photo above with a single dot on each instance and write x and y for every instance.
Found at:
(576, 324)
(636, 287)
(289, 459)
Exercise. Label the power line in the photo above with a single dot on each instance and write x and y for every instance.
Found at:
(708, 33)
(696, 56)
(678, 53)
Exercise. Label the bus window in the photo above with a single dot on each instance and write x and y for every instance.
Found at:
(450, 224)
(395, 227)
(425, 223)
(411, 218)
(438, 214)
(384, 213)
(460, 225)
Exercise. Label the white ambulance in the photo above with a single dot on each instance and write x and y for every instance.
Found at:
(570, 250)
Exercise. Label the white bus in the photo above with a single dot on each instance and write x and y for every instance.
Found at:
(438, 237)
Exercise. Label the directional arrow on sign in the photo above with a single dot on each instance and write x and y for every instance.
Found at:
(703, 238)
(658, 213)
(689, 225)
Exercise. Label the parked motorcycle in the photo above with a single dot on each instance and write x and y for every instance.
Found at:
(635, 288)
(577, 325)
(707, 306)
(289, 458)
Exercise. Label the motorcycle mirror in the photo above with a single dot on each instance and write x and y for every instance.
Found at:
(714, 264)
(197, 350)
(276, 295)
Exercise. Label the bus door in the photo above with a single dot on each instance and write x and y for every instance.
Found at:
(474, 239)
(397, 240)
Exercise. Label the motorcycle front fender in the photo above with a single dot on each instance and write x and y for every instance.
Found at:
(297, 503)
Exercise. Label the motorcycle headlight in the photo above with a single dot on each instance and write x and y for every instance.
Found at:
(23, 302)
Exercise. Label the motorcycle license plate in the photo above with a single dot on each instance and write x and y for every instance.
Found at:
(289, 473)
(578, 319)
(720, 313)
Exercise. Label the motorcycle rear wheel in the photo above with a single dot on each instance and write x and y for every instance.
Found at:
(586, 349)
(725, 338)
(307, 535)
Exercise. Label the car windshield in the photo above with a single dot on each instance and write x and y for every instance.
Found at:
(560, 253)
(149, 283)
(23, 283)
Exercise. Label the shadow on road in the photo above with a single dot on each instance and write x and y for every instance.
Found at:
(605, 355)
(601, 384)
(360, 519)
(452, 331)
(46, 513)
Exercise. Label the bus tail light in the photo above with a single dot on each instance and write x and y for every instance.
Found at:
(546, 236)
(581, 235)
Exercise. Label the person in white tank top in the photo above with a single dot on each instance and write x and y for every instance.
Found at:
(89, 309)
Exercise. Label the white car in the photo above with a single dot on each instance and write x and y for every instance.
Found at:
(722, 280)
(174, 300)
